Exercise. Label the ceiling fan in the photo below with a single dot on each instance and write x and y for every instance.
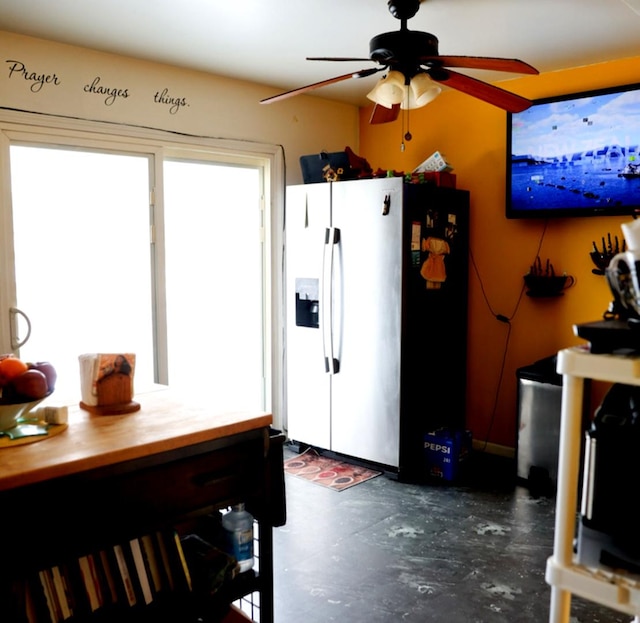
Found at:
(413, 65)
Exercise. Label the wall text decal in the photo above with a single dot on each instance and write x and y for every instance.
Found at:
(18, 69)
(38, 80)
(162, 97)
(112, 93)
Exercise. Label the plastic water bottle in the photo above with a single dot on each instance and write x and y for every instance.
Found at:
(238, 524)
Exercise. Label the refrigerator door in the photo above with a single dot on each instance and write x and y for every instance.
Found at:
(367, 285)
(308, 414)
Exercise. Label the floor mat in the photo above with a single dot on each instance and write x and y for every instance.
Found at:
(327, 472)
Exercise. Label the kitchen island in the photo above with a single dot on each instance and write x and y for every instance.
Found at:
(107, 479)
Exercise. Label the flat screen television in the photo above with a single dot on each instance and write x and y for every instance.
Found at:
(575, 155)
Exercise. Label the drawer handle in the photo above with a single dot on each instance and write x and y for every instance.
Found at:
(212, 478)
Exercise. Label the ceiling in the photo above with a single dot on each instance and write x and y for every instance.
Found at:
(267, 41)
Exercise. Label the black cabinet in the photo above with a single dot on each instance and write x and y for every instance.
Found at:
(436, 278)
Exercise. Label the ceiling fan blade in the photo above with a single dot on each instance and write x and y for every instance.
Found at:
(481, 90)
(480, 62)
(382, 114)
(316, 85)
(336, 58)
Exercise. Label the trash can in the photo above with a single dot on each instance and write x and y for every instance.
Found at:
(539, 411)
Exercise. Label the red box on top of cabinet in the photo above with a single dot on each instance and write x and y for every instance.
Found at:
(433, 178)
(440, 178)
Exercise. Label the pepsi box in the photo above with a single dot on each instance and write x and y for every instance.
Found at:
(446, 450)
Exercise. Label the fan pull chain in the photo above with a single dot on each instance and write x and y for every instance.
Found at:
(406, 136)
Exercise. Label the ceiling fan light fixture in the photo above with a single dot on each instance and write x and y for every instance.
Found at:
(389, 90)
(421, 92)
(413, 53)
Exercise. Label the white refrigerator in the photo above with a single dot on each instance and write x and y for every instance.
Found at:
(349, 249)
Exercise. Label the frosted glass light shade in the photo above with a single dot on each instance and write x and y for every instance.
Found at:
(389, 90)
(421, 91)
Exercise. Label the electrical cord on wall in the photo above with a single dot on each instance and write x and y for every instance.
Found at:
(506, 320)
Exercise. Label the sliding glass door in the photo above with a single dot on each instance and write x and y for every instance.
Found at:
(125, 250)
(215, 282)
(81, 223)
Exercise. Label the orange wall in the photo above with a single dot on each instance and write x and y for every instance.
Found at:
(471, 135)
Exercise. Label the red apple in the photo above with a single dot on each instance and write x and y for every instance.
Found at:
(48, 370)
(31, 384)
(9, 396)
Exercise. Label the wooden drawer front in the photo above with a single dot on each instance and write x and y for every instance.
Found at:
(107, 507)
(190, 484)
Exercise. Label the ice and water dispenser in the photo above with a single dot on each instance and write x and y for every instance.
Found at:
(307, 302)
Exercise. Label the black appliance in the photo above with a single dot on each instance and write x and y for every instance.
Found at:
(619, 328)
(608, 533)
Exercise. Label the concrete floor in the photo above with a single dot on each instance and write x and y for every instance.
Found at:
(386, 552)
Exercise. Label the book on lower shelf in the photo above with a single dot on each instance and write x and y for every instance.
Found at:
(125, 575)
(62, 593)
(158, 569)
(90, 581)
(140, 568)
(46, 582)
(152, 563)
(174, 559)
(165, 563)
(77, 591)
(115, 586)
(105, 567)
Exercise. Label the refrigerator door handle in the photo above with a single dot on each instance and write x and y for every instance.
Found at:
(331, 238)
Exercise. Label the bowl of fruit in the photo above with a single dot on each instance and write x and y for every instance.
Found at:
(22, 386)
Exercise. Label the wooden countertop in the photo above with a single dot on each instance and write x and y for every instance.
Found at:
(164, 422)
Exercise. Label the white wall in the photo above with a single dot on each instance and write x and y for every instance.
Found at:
(47, 77)
(38, 76)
